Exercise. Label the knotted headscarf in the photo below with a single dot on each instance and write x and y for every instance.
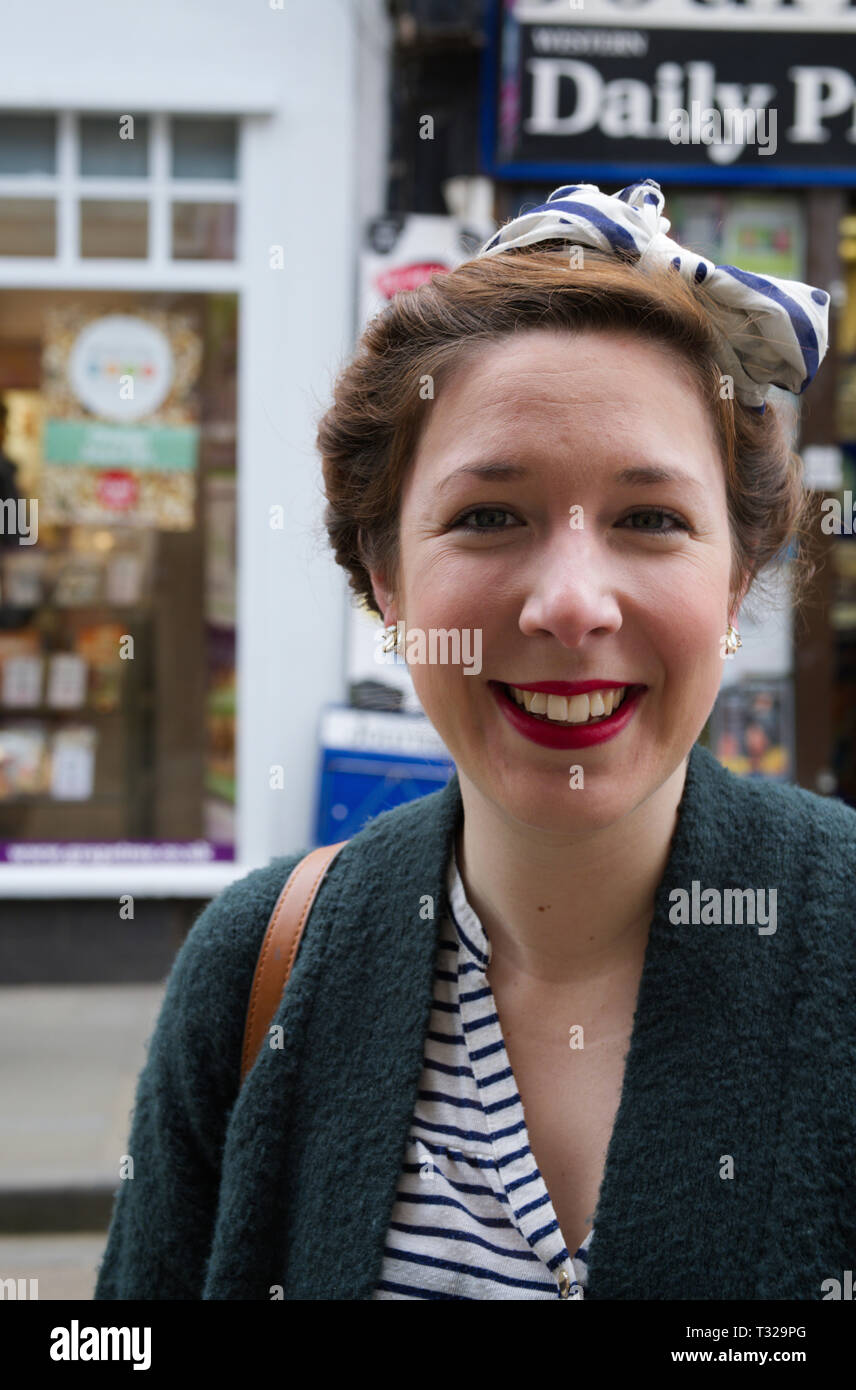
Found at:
(773, 332)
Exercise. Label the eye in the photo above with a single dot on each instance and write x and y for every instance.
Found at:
(654, 512)
(482, 512)
(644, 516)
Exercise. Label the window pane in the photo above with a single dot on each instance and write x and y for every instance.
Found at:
(27, 144)
(134, 499)
(27, 227)
(111, 227)
(203, 148)
(114, 146)
(203, 231)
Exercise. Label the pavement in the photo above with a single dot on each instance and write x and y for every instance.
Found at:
(69, 1061)
(64, 1266)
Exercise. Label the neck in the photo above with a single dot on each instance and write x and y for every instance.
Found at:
(564, 910)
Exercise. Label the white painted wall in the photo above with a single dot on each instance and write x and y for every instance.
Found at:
(322, 144)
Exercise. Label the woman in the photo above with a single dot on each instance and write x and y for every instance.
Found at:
(580, 1024)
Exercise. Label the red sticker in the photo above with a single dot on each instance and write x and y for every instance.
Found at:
(117, 490)
(407, 277)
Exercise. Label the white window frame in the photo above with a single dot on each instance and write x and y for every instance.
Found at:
(155, 273)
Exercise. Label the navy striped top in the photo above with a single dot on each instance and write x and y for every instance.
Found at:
(472, 1217)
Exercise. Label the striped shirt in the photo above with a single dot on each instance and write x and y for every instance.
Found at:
(472, 1217)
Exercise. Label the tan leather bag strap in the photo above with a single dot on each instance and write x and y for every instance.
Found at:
(279, 948)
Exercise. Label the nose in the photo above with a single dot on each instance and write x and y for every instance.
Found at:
(570, 589)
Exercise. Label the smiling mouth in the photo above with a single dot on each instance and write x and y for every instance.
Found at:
(595, 707)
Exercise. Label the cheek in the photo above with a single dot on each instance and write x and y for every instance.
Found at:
(694, 659)
(452, 594)
(687, 620)
(451, 598)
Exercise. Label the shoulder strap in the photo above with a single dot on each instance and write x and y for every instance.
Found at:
(279, 948)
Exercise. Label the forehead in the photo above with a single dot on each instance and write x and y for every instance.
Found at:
(603, 390)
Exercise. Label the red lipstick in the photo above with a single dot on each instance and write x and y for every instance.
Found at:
(548, 735)
(571, 687)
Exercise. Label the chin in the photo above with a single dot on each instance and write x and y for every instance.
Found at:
(544, 799)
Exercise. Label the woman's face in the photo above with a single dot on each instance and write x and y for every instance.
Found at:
(570, 572)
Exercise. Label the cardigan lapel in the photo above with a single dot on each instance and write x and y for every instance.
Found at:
(363, 1056)
(689, 1170)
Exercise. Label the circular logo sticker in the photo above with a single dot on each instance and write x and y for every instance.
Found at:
(121, 367)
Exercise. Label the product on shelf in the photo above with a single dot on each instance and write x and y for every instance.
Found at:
(23, 760)
(23, 677)
(99, 645)
(72, 763)
(66, 686)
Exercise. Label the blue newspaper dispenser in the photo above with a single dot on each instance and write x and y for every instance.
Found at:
(370, 762)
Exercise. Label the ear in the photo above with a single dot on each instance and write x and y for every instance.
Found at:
(385, 597)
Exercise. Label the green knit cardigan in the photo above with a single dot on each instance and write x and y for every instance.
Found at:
(730, 1171)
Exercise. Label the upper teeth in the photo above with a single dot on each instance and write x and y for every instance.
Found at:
(574, 709)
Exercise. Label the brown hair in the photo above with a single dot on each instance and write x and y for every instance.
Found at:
(370, 432)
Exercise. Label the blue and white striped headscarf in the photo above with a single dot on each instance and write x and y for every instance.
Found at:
(773, 332)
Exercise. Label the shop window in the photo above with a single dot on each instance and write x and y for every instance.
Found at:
(110, 149)
(114, 227)
(204, 148)
(113, 147)
(27, 227)
(27, 144)
(203, 231)
(117, 577)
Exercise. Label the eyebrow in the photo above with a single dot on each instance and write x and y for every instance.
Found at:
(636, 475)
